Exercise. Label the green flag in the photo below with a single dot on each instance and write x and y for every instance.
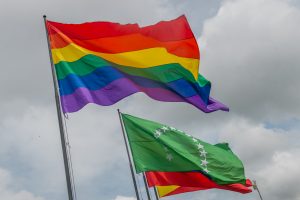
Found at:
(157, 147)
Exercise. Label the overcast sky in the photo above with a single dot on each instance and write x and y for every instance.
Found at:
(249, 51)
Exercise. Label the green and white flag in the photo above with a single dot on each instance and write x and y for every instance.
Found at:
(157, 147)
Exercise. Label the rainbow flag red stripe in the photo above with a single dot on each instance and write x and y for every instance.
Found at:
(104, 62)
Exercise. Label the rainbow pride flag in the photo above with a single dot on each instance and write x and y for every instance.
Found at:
(104, 62)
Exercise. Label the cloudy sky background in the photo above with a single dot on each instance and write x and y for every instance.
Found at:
(249, 50)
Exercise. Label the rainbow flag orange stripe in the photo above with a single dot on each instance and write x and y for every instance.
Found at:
(104, 62)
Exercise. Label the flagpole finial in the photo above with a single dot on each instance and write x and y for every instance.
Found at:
(44, 16)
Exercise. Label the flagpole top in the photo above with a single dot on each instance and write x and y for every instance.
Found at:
(44, 16)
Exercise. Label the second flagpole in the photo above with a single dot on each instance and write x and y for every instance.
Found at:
(129, 158)
(146, 186)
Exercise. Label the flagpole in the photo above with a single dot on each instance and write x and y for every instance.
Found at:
(60, 120)
(146, 186)
(129, 158)
(255, 187)
(156, 193)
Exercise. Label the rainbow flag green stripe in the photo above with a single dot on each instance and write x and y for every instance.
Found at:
(104, 62)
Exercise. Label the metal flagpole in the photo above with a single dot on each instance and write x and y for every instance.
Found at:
(129, 158)
(146, 186)
(256, 188)
(156, 193)
(60, 120)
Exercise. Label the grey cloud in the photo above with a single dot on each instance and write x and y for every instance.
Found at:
(124, 198)
(29, 135)
(284, 170)
(30, 148)
(249, 51)
(269, 156)
(26, 67)
(8, 192)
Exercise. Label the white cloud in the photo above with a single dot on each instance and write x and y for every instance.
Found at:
(279, 179)
(25, 58)
(124, 198)
(254, 143)
(269, 156)
(8, 193)
(250, 53)
(30, 146)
